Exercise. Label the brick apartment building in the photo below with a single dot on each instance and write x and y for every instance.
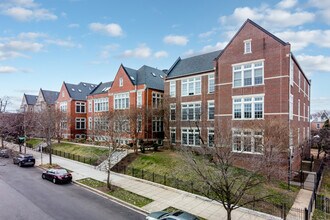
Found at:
(28, 103)
(255, 77)
(46, 98)
(72, 100)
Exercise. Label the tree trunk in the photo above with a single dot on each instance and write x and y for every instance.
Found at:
(50, 152)
(229, 214)
(108, 180)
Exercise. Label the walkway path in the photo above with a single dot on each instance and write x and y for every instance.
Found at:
(163, 196)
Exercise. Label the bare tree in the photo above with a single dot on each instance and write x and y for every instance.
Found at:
(321, 139)
(4, 102)
(10, 126)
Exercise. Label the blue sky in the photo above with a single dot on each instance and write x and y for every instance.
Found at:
(43, 43)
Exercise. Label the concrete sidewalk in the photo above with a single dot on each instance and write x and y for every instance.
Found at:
(162, 196)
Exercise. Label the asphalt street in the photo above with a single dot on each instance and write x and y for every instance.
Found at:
(25, 195)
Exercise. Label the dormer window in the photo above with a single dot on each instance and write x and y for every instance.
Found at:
(247, 46)
(121, 82)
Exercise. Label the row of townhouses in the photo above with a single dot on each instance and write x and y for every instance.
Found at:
(254, 78)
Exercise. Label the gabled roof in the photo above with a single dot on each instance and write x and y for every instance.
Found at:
(151, 77)
(321, 116)
(192, 65)
(80, 91)
(260, 28)
(31, 99)
(102, 88)
(49, 96)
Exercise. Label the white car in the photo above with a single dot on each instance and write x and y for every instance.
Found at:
(177, 215)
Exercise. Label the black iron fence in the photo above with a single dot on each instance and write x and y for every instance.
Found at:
(88, 160)
(200, 188)
(322, 203)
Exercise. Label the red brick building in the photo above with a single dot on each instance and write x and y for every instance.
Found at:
(256, 78)
(72, 100)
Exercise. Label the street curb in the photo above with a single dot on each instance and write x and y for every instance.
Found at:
(121, 202)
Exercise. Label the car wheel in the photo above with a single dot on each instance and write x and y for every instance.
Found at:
(43, 176)
(19, 164)
(54, 181)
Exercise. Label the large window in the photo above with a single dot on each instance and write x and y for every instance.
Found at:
(139, 99)
(80, 123)
(211, 83)
(157, 99)
(90, 105)
(90, 123)
(190, 137)
(248, 74)
(121, 101)
(191, 86)
(80, 107)
(173, 135)
(247, 141)
(100, 123)
(122, 125)
(172, 112)
(210, 137)
(157, 124)
(172, 88)
(63, 106)
(210, 110)
(248, 107)
(191, 111)
(64, 124)
(101, 105)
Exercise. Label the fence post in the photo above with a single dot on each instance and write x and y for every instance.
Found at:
(132, 171)
(192, 187)
(153, 176)
(142, 173)
(165, 179)
(306, 214)
(90, 161)
(78, 157)
(84, 159)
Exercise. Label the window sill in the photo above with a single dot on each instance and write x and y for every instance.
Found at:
(239, 87)
(246, 119)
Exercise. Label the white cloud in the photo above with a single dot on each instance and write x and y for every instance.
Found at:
(105, 53)
(287, 3)
(217, 46)
(270, 18)
(142, 51)
(323, 7)
(161, 54)
(63, 43)
(24, 14)
(206, 34)
(8, 69)
(5, 55)
(21, 46)
(314, 64)
(301, 39)
(31, 35)
(176, 40)
(189, 53)
(112, 29)
(73, 25)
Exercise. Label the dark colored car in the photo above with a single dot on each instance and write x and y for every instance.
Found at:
(24, 160)
(177, 215)
(57, 175)
(4, 153)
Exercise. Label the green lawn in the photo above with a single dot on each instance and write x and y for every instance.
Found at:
(93, 155)
(34, 142)
(117, 192)
(178, 175)
(325, 185)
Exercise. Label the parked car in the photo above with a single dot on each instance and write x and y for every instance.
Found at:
(57, 175)
(5, 153)
(177, 215)
(24, 160)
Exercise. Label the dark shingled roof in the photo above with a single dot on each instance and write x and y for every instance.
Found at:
(50, 96)
(196, 64)
(102, 88)
(80, 91)
(31, 99)
(153, 78)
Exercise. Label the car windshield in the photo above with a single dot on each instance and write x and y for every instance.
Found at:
(28, 156)
(62, 171)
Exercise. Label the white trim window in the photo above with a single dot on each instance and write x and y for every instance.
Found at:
(139, 99)
(122, 125)
(64, 124)
(248, 74)
(157, 99)
(90, 123)
(172, 88)
(211, 81)
(100, 123)
(247, 141)
(101, 105)
(173, 135)
(210, 137)
(157, 124)
(139, 123)
(191, 111)
(90, 105)
(80, 107)
(191, 86)
(172, 112)
(190, 137)
(210, 110)
(248, 107)
(80, 123)
(291, 71)
(247, 46)
(121, 100)
(63, 106)
(304, 116)
(291, 107)
(121, 82)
